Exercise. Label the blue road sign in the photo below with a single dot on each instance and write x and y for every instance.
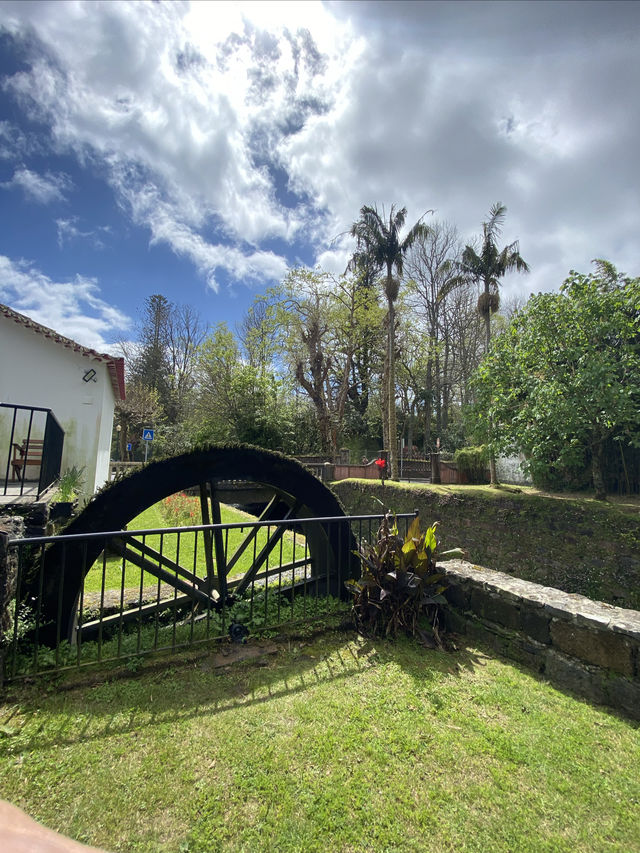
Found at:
(147, 434)
(129, 446)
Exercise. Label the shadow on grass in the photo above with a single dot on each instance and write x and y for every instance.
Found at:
(192, 686)
(180, 689)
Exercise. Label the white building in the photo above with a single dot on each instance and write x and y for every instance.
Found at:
(41, 368)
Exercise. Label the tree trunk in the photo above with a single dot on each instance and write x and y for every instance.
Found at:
(410, 431)
(393, 439)
(384, 402)
(487, 330)
(597, 453)
(437, 387)
(493, 474)
(427, 407)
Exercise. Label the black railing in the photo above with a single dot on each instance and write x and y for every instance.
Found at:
(166, 589)
(33, 438)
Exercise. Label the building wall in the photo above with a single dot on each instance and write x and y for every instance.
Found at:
(35, 371)
(509, 470)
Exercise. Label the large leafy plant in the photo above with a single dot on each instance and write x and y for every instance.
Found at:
(400, 588)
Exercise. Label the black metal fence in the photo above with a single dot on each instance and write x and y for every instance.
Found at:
(32, 439)
(82, 600)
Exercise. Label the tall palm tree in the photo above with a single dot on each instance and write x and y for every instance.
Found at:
(491, 264)
(379, 240)
(489, 267)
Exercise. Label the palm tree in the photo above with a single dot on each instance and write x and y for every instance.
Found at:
(379, 240)
(491, 264)
(489, 267)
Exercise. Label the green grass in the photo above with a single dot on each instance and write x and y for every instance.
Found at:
(615, 504)
(189, 552)
(333, 743)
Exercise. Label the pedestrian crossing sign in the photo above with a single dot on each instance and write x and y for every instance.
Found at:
(147, 434)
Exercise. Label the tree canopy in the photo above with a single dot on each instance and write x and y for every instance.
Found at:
(564, 377)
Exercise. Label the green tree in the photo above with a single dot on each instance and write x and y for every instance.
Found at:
(444, 304)
(380, 240)
(564, 377)
(491, 264)
(150, 366)
(163, 358)
(237, 401)
(364, 406)
(141, 408)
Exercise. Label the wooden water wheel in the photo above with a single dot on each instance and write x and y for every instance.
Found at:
(280, 486)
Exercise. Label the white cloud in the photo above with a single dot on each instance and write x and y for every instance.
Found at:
(167, 225)
(72, 308)
(208, 116)
(69, 231)
(151, 91)
(39, 188)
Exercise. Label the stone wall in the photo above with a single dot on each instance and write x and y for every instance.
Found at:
(10, 528)
(586, 646)
(593, 549)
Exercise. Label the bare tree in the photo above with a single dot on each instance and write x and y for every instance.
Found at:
(318, 319)
(184, 336)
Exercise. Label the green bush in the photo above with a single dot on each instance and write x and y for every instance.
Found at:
(472, 462)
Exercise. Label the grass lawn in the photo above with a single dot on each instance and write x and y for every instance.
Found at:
(329, 743)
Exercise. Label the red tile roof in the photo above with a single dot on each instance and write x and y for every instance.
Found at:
(115, 365)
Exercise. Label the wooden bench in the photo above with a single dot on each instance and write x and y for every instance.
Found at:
(24, 456)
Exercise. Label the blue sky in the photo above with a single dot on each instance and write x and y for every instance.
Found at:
(199, 150)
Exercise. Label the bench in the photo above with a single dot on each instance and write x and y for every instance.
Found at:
(24, 455)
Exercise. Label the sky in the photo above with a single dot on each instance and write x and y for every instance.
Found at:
(199, 150)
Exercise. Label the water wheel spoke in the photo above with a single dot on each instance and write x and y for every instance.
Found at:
(206, 534)
(273, 572)
(268, 547)
(152, 568)
(218, 544)
(118, 546)
(269, 512)
(138, 612)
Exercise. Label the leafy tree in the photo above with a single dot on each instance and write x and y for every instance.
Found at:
(491, 264)
(441, 299)
(236, 401)
(140, 409)
(564, 377)
(258, 334)
(165, 355)
(379, 240)
(363, 409)
(150, 366)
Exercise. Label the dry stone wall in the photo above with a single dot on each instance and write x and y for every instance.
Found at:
(555, 542)
(10, 528)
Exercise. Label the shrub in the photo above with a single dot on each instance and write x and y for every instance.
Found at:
(472, 462)
(399, 588)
